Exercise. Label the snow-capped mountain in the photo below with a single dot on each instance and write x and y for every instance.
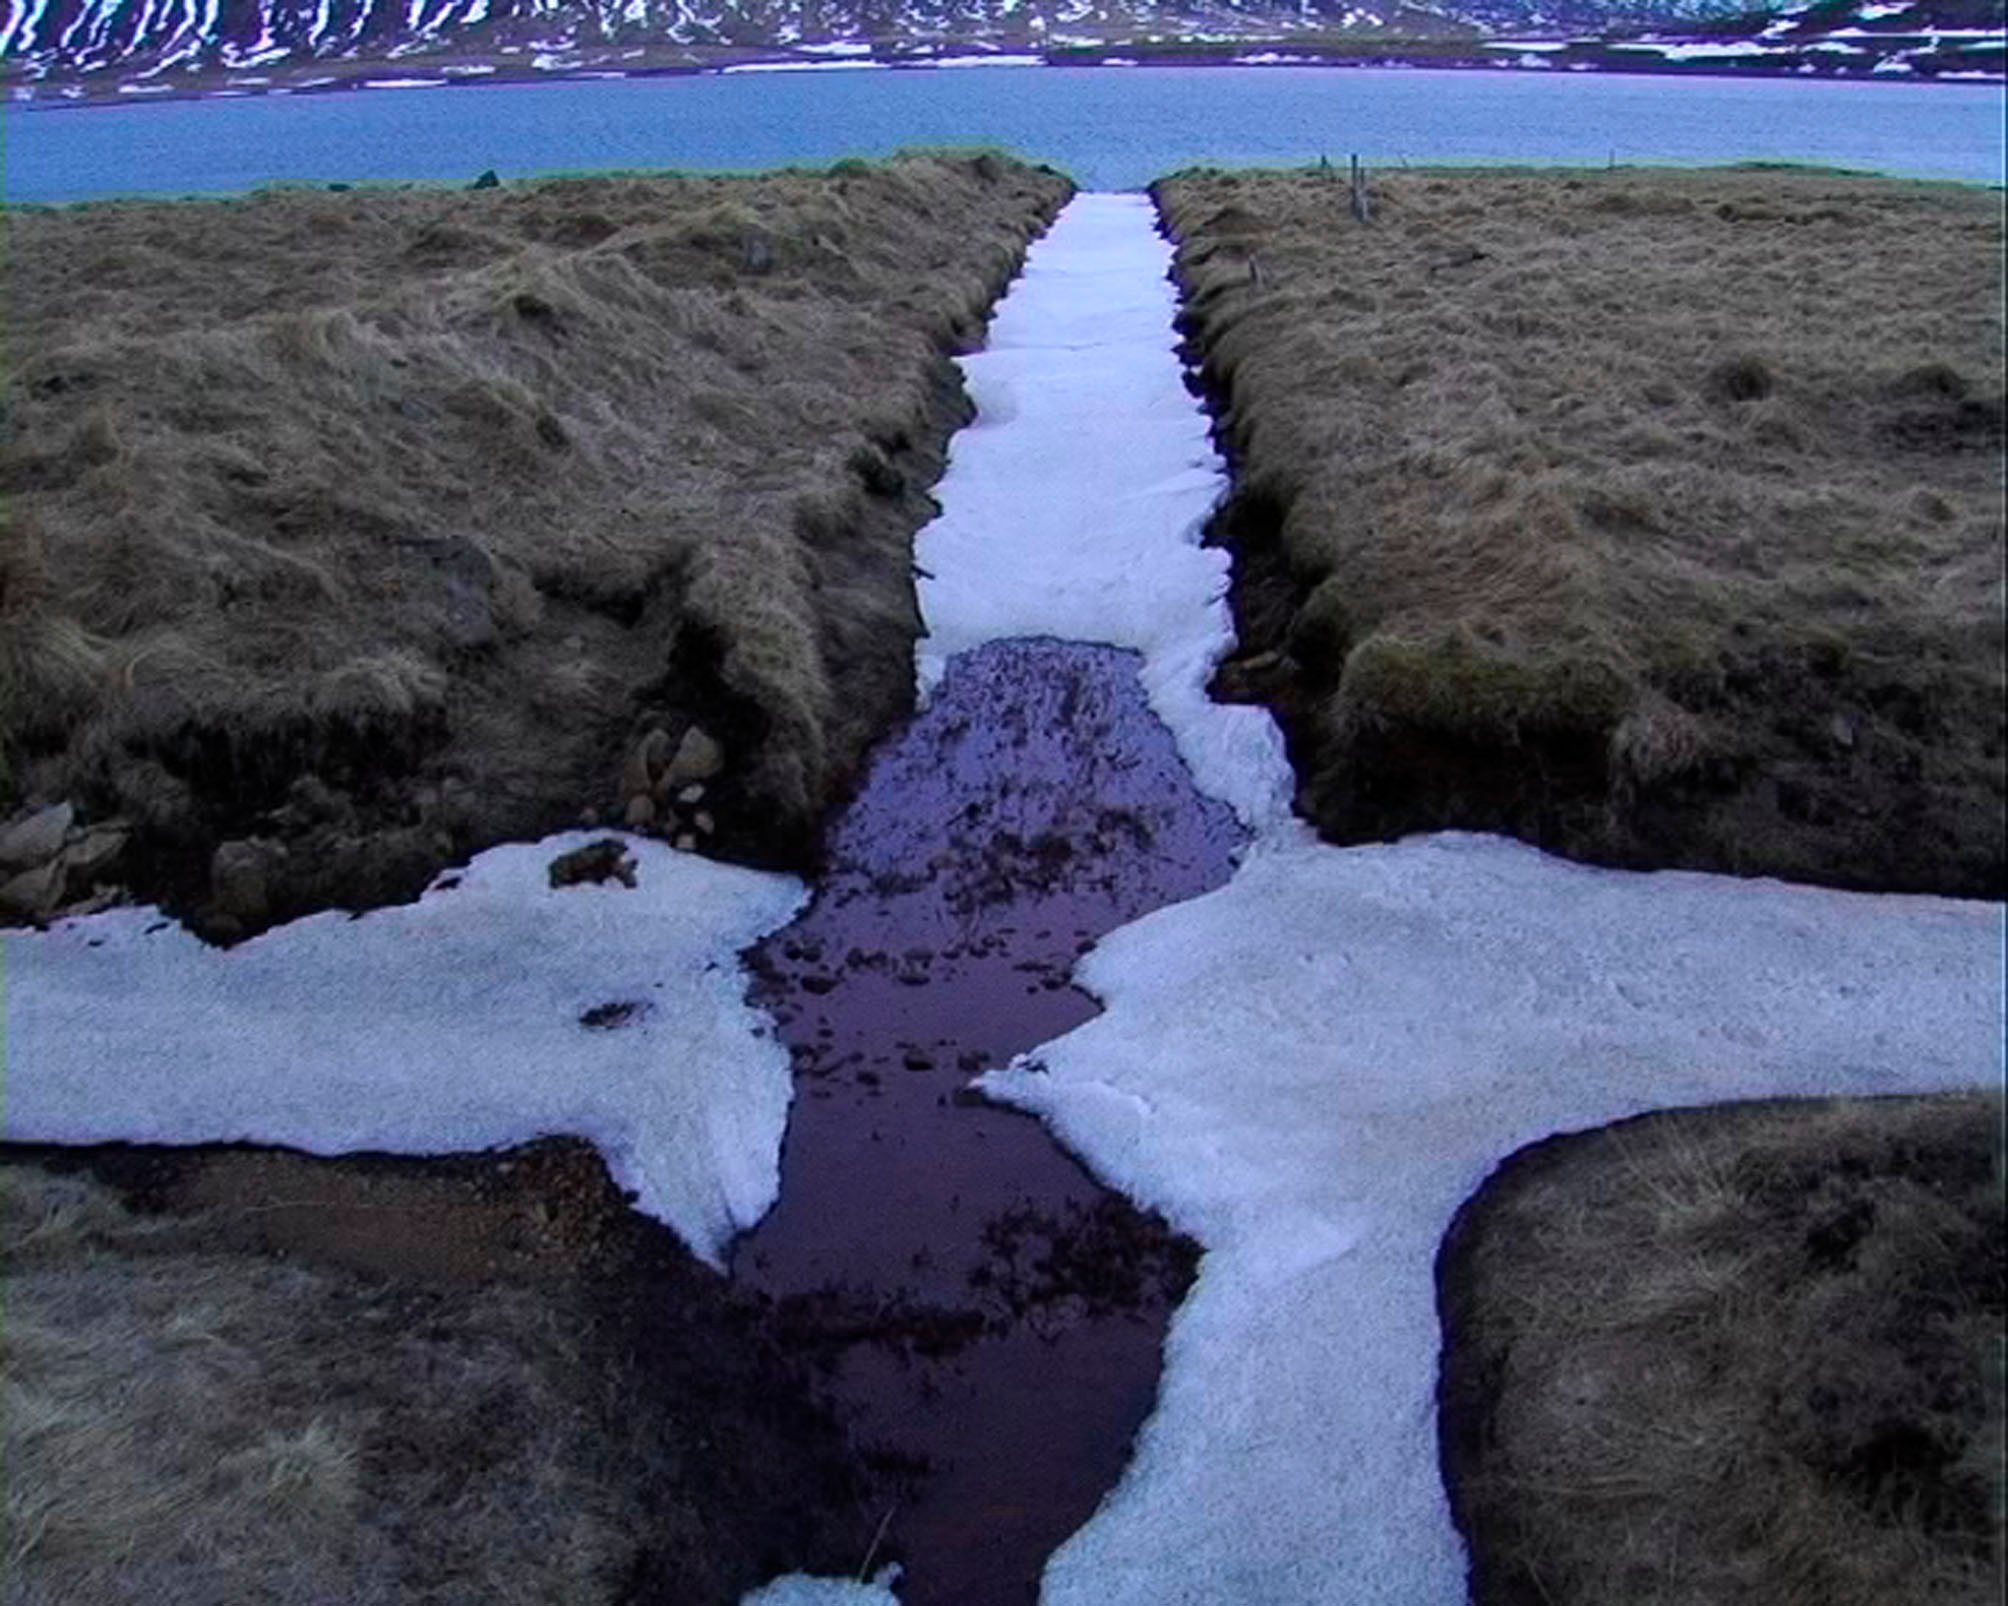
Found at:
(162, 42)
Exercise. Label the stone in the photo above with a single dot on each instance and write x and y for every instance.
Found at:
(33, 894)
(685, 843)
(605, 860)
(93, 853)
(693, 793)
(240, 878)
(36, 839)
(698, 758)
(640, 812)
(704, 823)
(646, 761)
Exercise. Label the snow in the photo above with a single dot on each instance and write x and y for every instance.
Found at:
(844, 65)
(989, 61)
(448, 1024)
(1311, 1068)
(1072, 507)
(796, 1590)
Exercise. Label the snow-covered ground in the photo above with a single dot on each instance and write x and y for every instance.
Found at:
(1308, 1069)
(449, 1024)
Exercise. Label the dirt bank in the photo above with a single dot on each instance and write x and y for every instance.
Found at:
(349, 533)
(248, 1374)
(1653, 517)
(1750, 1352)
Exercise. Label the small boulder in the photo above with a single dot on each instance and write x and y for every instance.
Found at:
(91, 855)
(646, 761)
(640, 812)
(605, 860)
(33, 894)
(698, 758)
(240, 879)
(37, 838)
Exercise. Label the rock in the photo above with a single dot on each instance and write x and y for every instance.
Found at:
(685, 843)
(33, 894)
(704, 823)
(646, 761)
(93, 853)
(489, 179)
(693, 793)
(640, 812)
(36, 839)
(698, 758)
(240, 879)
(1842, 730)
(605, 860)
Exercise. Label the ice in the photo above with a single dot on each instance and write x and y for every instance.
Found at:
(1311, 1068)
(452, 1023)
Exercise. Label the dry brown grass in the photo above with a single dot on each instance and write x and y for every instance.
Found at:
(384, 523)
(1656, 517)
(1750, 1353)
(356, 1381)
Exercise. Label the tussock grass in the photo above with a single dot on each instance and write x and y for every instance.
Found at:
(438, 501)
(1745, 1353)
(1656, 517)
(375, 1381)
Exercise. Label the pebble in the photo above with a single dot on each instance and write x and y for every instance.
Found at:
(36, 839)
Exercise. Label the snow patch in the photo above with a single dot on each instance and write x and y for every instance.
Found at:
(451, 1023)
(1073, 506)
(1311, 1068)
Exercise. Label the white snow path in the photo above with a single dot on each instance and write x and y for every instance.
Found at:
(448, 1024)
(1313, 1067)
(1072, 506)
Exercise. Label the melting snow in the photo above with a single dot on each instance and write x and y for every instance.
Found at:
(451, 1023)
(1311, 1068)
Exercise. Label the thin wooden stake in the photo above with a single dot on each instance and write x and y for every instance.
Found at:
(1362, 205)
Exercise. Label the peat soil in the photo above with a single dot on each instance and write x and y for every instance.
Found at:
(986, 1317)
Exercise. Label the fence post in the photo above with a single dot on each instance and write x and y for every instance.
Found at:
(1362, 206)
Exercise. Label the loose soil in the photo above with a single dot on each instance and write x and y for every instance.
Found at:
(250, 1374)
(1742, 1353)
(1653, 517)
(986, 1315)
(350, 533)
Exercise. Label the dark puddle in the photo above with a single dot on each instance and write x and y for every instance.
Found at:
(988, 1317)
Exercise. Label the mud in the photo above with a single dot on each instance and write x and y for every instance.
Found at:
(985, 1315)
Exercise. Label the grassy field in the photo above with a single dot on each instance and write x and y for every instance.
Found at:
(1747, 1353)
(352, 531)
(1655, 517)
(479, 1379)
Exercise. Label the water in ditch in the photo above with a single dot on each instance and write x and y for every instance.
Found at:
(989, 1318)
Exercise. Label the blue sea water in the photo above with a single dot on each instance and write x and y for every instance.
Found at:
(1110, 128)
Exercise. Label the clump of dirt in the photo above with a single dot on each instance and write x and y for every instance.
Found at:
(1741, 1352)
(350, 533)
(245, 1373)
(1537, 530)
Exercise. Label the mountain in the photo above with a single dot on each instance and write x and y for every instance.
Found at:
(164, 45)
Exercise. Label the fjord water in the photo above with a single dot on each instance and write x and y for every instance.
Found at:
(1110, 128)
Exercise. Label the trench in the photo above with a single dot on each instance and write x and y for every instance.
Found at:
(987, 1317)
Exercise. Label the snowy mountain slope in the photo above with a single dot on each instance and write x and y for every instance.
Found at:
(155, 43)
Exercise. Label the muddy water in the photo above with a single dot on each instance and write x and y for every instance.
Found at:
(989, 1316)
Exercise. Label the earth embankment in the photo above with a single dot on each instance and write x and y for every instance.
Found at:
(349, 532)
(1655, 518)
